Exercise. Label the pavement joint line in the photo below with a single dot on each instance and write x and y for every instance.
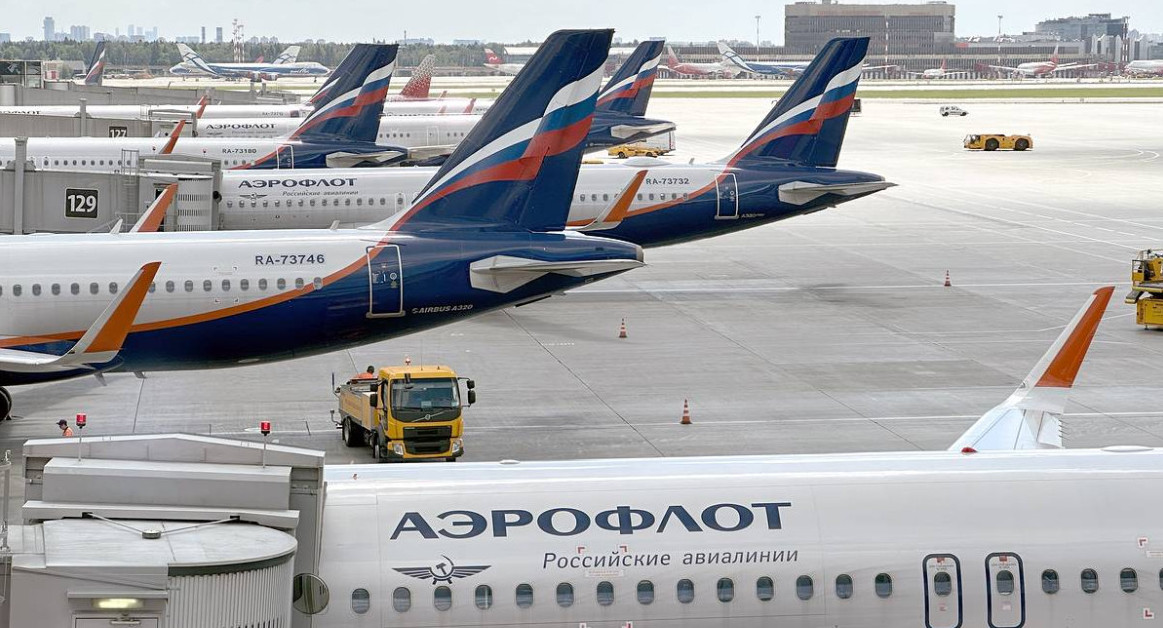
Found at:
(855, 287)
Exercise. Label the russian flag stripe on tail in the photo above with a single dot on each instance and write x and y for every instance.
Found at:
(517, 168)
(807, 125)
(96, 65)
(350, 108)
(628, 91)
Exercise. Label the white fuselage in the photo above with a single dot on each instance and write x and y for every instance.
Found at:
(860, 541)
(409, 131)
(1145, 67)
(142, 112)
(275, 199)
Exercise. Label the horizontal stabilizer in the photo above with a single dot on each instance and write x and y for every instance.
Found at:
(617, 210)
(344, 159)
(153, 217)
(803, 192)
(1030, 417)
(505, 273)
(103, 340)
(624, 131)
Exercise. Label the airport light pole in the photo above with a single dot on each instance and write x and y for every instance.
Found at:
(757, 34)
(999, 38)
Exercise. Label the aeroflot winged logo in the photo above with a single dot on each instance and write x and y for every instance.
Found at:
(442, 572)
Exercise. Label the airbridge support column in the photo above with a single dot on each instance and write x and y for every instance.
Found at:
(18, 186)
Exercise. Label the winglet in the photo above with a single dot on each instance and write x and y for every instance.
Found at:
(1059, 367)
(152, 218)
(617, 211)
(169, 147)
(205, 100)
(471, 103)
(108, 332)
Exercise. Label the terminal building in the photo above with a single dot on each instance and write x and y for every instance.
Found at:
(900, 28)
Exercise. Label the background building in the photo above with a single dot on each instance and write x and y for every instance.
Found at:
(892, 28)
(1084, 27)
(50, 28)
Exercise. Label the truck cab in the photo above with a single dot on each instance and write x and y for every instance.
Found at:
(406, 413)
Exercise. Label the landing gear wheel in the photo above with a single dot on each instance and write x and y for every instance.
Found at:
(5, 405)
(352, 433)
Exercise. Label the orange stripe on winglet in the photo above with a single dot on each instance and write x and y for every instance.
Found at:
(113, 333)
(202, 106)
(1064, 368)
(622, 207)
(169, 147)
(152, 219)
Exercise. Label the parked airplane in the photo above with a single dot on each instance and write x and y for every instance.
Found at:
(341, 132)
(494, 62)
(785, 168)
(1013, 539)
(787, 68)
(1037, 69)
(487, 232)
(95, 71)
(620, 116)
(694, 69)
(1144, 67)
(938, 73)
(251, 71)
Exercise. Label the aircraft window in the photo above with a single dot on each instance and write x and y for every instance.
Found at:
(686, 591)
(36, 290)
(94, 288)
(226, 285)
(281, 283)
(262, 284)
(265, 204)
(323, 202)
(1, 291)
(359, 201)
(565, 595)
(605, 197)
(484, 597)
(1161, 578)
(1089, 581)
(317, 283)
(524, 595)
(765, 589)
(843, 586)
(347, 202)
(1050, 581)
(442, 598)
(725, 589)
(942, 584)
(75, 289)
(56, 162)
(189, 285)
(360, 601)
(16, 290)
(594, 197)
(581, 197)
(883, 585)
(605, 593)
(230, 203)
(74, 162)
(401, 599)
(207, 285)
(652, 196)
(1129, 580)
(685, 196)
(56, 289)
(399, 200)
(1005, 582)
(169, 286)
(312, 202)
(112, 287)
(298, 282)
(82, 162)
(640, 196)
(244, 284)
(645, 592)
(804, 587)
(383, 201)
(277, 204)
(152, 287)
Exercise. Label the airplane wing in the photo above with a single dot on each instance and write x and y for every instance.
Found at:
(1003, 67)
(1029, 418)
(869, 68)
(614, 214)
(1074, 66)
(103, 340)
(152, 218)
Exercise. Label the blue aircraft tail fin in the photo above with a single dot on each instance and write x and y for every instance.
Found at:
(518, 167)
(807, 125)
(628, 92)
(350, 108)
(96, 70)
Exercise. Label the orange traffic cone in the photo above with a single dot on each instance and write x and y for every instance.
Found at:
(947, 282)
(622, 331)
(686, 413)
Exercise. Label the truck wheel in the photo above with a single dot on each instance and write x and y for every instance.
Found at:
(450, 459)
(991, 144)
(352, 433)
(5, 405)
(1021, 144)
(944, 114)
(622, 155)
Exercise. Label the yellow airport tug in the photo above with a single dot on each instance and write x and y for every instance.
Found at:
(1147, 288)
(998, 141)
(405, 413)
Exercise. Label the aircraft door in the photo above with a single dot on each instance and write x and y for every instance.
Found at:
(285, 156)
(385, 281)
(1006, 590)
(433, 138)
(942, 591)
(727, 191)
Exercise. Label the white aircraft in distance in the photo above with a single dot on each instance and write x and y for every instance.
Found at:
(1144, 67)
(495, 62)
(784, 68)
(253, 71)
(938, 73)
(1037, 69)
(694, 69)
(964, 538)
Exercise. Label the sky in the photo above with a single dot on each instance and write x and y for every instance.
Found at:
(508, 20)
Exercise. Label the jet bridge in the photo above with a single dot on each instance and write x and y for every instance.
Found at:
(163, 531)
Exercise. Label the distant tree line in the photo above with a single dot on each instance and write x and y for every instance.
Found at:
(154, 54)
